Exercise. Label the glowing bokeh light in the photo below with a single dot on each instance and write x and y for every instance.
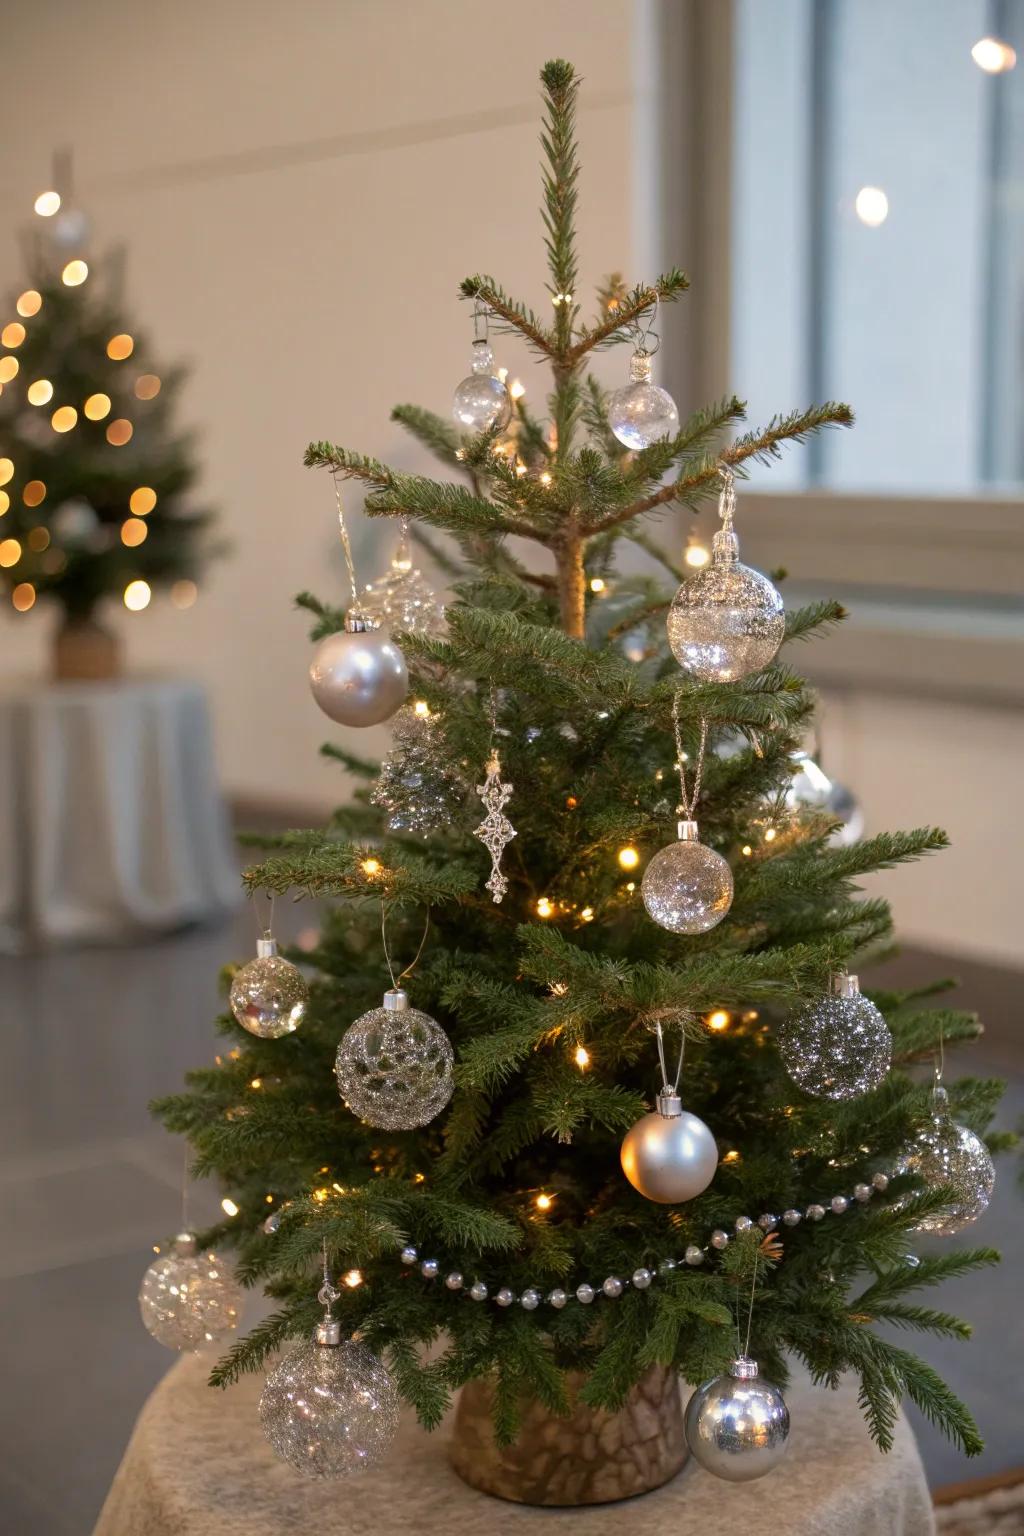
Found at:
(10, 552)
(33, 493)
(133, 532)
(75, 273)
(29, 303)
(13, 334)
(47, 204)
(119, 432)
(872, 206)
(40, 392)
(64, 418)
(38, 539)
(97, 406)
(993, 56)
(121, 346)
(184, 594)
(23, 596)
(136, 597)
(8, 369)
(142, 500)
(147, 386)
(6, 470)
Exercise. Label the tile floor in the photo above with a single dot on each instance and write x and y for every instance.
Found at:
(91, 1036)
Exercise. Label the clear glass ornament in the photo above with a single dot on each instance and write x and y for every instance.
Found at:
(641, 413)
(481, 401)
(945, 1154)
(419, 790)
(838, 1047)
(687, 888)
(727, 620)
(394, 1065)
(269, 995)
(188, 1299)
(670, 1155)
(737, 1425)
(358, 675)
(329, 1409)
(402, 598)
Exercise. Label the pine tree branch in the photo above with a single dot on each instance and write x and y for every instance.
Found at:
(514, 315)
(616, 328)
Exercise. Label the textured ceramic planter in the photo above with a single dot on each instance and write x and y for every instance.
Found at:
(84, 650)
(591, 1457)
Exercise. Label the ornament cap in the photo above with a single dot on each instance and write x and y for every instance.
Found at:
(396, 1000)
(483, 356)
(266, 947)
(358, 623)
(725, 546)
(940, 1101)
(640, 367)
(846, 986)
(185, 1245)
(743, 1368)
(328, 1332)
(670, 1105)
(686, 831)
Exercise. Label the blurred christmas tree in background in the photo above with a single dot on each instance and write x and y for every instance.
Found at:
(95, 479)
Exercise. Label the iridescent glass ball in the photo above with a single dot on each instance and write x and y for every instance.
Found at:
(269, 995)
(687, 888)
(329, 1410)
(394, 1066)
(189, 1299)
(945, 1154)
(725, 622)
(838, 1047)
(641, 413)
(737, 1426)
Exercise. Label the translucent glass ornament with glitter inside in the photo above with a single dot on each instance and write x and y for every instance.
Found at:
(402, 599)
(418, 788)
(727, 620)
(838, 1046)
(948, 1155)
(481, 401)
(269, 995)
(189, 1299)
(687, 888)
(394, 1065)
(641, 413)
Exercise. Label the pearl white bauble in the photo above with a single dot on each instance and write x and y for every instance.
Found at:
(669, 1157)
(358, 676)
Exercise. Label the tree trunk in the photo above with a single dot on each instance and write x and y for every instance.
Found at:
(571, 583)
(591, 1457)
(84, 651)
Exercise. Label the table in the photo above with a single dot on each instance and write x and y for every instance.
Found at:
(111, 820)
(198, 1465)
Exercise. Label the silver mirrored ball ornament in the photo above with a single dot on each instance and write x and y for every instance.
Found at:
(329, 1410)
(394, 1065)
(839, 1046)
(669, 1155)
(358, 675)
(269, 995)
(686, 887)
(189, 1299)
(737, 1426)
(945, 1154)
(641, 413)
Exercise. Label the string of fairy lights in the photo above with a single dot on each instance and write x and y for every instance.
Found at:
(65, 417)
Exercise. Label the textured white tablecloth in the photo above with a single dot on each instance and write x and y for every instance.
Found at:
(198, 1465)
(111, 820)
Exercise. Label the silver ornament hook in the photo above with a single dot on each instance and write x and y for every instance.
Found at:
(669, 1089)
(688, 802)
(642, 335)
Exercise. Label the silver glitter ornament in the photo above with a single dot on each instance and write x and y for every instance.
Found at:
(737, 1425)
(495, 831)
(837, 1047)
(269, 995)
(329, 1409)
(945, 1154)
(394, 1065)
(669, 1155)
(641, 413)
(402, 598)
(188, 1299)
(727, 620)
(481, 402)
(358, 675)
(417, 788)
(687, 888)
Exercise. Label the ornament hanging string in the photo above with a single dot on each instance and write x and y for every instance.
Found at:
(264, 930)
(481, 321)
(669, 1087)
(346, 543)
(745, 1351)
(184, 1189)
(688, 801)
(384, 940)
(643, 334)
(727, 497)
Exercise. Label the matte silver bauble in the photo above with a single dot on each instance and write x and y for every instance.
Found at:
(481, 401)
(641, 413)
(329, 1409)
(358, 675)
(188, 1299)
(394, 1066)
(838, 1047)
(947, 1155)
(269, 995)
(687, 888)
(726, 621)
(669, 1155)
(737, 1426)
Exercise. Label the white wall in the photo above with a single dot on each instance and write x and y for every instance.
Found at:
(300, 189)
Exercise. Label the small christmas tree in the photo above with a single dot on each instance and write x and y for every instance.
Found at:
(505, 1227)
(95, 479)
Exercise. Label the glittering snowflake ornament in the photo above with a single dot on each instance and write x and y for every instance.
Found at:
(495, 831)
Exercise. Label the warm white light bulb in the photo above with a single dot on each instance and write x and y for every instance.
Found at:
(872, 206)
(993, 56)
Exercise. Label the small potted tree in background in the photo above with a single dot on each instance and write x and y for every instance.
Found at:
(94, 478)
